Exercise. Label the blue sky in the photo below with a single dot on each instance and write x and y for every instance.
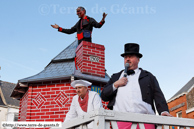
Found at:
(163, 28)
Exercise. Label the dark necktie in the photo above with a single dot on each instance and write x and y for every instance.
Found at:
(130, 72)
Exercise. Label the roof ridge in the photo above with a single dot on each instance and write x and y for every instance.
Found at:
(8, 82)
(185, 88)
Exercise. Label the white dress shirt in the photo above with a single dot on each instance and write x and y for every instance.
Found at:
(129, 97)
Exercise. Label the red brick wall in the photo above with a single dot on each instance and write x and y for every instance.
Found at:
(183, 108)
(46, 102)
(191, 115)
(49, 102)
(83, 53)
(23, 107)
(177, 102)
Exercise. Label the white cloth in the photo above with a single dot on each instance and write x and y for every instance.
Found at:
(94, 102)
(129, 97)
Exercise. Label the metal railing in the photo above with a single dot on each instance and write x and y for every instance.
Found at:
(104, 118)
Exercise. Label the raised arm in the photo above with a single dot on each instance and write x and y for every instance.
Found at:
(103, 17)
(98, 24)
(67, 31)
(55, 26)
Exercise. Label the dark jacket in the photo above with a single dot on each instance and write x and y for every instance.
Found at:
(84, 32)
(150, 91)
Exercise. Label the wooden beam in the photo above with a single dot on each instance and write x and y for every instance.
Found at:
(23, 85)
(21, 90)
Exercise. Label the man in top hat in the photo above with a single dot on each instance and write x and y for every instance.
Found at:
(83, 27)
(85, 101)
(136, 92)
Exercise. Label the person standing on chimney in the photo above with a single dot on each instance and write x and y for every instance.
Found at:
(83, 27)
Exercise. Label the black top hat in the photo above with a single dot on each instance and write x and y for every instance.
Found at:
(132, 48)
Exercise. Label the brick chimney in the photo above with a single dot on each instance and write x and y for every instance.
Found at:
(90, 58)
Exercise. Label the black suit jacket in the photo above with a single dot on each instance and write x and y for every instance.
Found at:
(150, 91)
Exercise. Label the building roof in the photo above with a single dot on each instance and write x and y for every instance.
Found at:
(183, 90)
(6, 89)
(1, 102)
(61, 67)
(67, 53)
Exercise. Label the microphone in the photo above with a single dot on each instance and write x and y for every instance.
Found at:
(126, 68)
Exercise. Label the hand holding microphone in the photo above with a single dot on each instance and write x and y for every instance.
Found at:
(123, 81)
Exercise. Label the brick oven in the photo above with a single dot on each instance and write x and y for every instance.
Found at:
(47, 95)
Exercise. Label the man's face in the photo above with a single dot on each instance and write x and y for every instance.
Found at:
(81, 91)
(80, 12)
(133, 61)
